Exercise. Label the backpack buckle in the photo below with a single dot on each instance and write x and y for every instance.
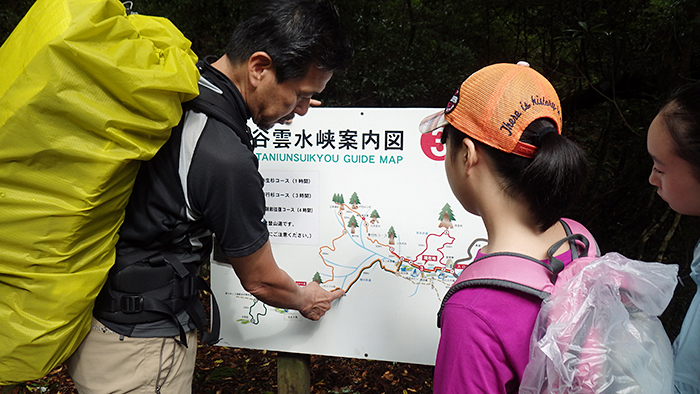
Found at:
(131, 303)
(189, 287)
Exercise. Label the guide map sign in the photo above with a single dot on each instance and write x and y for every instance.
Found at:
(356, 199)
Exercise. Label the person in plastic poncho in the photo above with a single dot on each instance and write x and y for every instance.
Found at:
(205, 180)
(673, 141)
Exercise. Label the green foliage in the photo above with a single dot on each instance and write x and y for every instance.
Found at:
(208, 24)
(11, 12)
(402, 56)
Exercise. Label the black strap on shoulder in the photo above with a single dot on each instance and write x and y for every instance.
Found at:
(200, 104)
(593, 249)
(557, 265)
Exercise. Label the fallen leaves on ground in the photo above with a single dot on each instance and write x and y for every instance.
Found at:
(223, 370)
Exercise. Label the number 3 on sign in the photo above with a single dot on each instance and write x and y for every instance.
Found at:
(431, 146)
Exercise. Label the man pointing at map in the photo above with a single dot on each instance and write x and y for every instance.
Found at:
(205, 180)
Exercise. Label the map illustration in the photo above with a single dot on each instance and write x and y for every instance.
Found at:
(359, 230)
(356, 221)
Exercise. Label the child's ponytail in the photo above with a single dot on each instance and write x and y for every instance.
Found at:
(550, 182)
(555, 177)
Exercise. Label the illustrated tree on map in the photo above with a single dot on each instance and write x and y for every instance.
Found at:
(338, 199)
(374, 215)
(352, 223)
(446, 217)
(354, 200)
(317, 278)
(392, 235)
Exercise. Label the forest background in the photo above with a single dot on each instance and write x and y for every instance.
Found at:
(612, 63)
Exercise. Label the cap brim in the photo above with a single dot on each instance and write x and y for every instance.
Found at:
(432, 122)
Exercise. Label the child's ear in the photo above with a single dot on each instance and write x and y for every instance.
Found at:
(471, 153)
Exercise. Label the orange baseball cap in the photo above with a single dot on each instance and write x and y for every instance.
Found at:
(495, 105)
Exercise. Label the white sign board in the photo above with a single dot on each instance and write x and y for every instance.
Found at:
(357, 199)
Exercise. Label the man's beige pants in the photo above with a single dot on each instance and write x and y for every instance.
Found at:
(107, 362)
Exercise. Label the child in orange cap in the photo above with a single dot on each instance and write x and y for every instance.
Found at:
(507, 162)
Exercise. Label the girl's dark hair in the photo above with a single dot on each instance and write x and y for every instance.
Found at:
(681, 113)
(296, 34)
(549, 183)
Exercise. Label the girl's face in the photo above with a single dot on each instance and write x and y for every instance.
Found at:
(673, 176)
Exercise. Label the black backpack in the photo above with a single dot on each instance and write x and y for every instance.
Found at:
(146, 286)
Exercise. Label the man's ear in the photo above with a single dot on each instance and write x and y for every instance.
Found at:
(260, 66)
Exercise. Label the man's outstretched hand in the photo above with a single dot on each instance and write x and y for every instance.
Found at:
(320, 300)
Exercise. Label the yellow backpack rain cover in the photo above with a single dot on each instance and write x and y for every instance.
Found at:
(86, 93)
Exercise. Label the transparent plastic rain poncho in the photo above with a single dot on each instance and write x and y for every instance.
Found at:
(599, 332)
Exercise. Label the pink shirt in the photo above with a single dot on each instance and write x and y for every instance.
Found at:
(485, 339)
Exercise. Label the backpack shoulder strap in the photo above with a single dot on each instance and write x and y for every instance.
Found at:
(574, 227)
(507, 270)
(520, 272)
(204, 104)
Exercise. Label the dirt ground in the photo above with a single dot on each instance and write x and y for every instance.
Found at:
(221, 370)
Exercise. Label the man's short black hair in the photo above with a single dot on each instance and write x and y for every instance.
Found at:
(296, 34)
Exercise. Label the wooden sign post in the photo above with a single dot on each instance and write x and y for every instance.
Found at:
(293, 373)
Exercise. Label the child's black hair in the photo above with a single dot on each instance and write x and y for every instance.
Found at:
(549, 183)
(681, 113)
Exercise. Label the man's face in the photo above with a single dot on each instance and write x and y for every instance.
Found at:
(279, 102)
